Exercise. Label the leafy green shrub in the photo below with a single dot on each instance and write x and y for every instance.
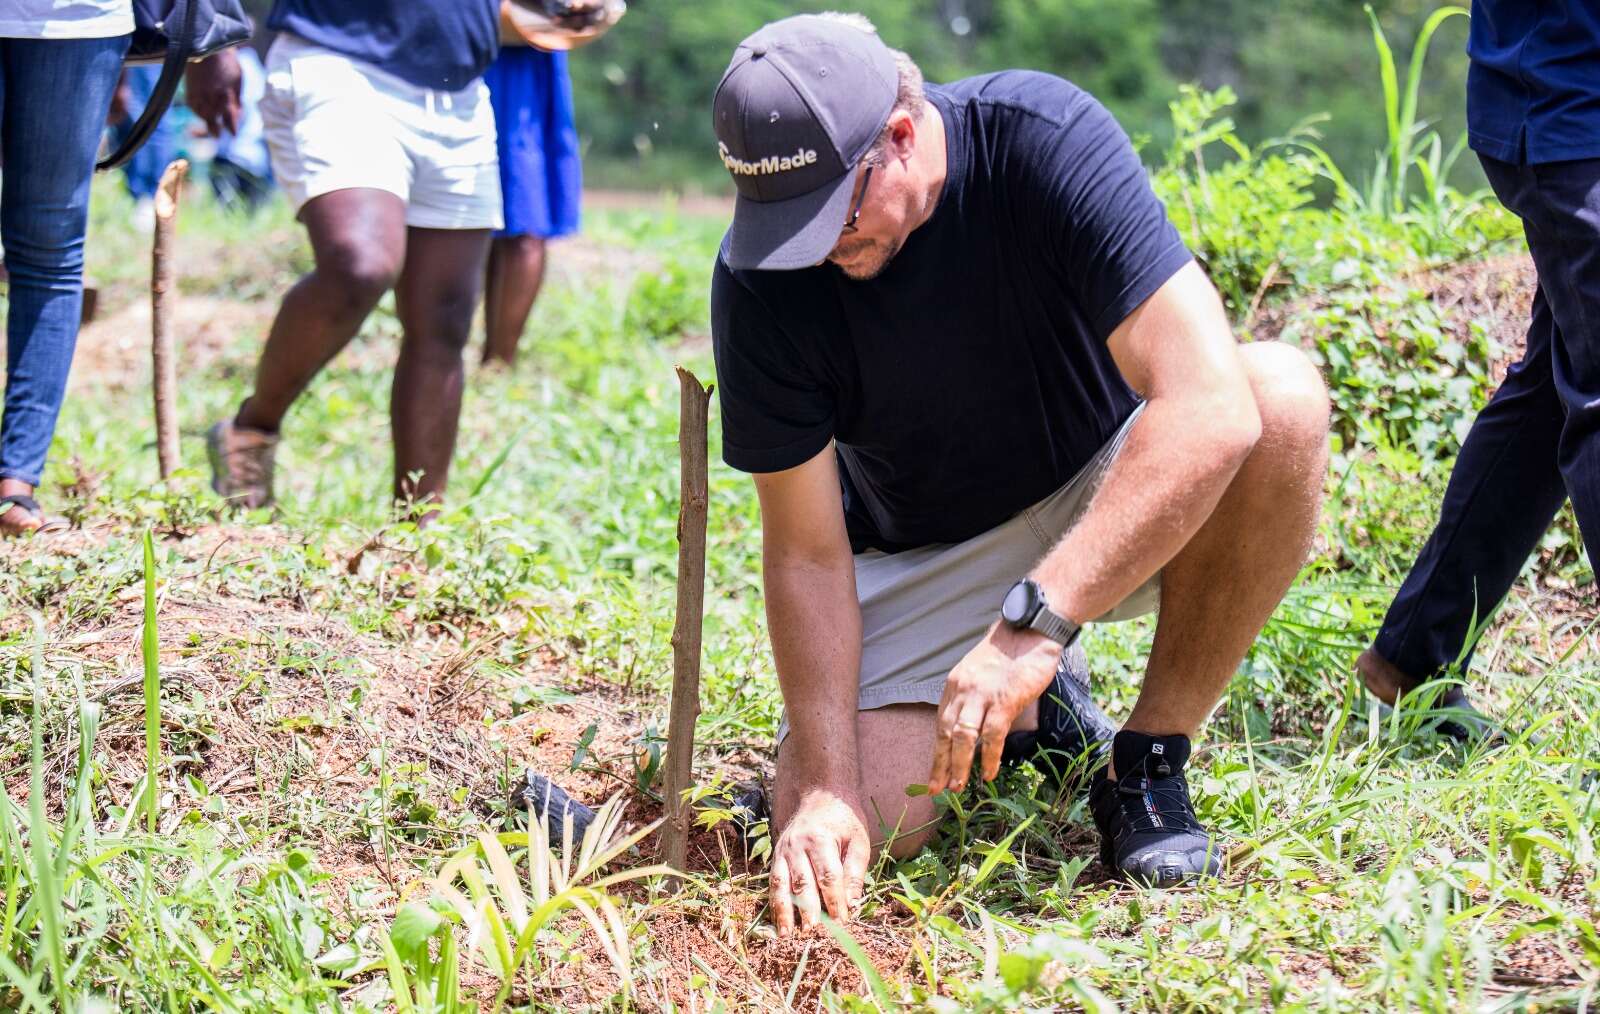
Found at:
(1396, 373)
(1248, 219)
(667, 301)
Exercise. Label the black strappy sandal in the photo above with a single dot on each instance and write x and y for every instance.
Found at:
(29, 505)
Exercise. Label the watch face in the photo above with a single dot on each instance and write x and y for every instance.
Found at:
(1018, 605)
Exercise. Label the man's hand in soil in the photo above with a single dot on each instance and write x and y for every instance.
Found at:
(983, 696)
(820, 861)
(212, 89)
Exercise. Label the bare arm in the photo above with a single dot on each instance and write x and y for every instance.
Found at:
(813, 616)
(1199, 424)
(815, 624)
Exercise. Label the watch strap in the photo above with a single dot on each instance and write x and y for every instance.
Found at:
(1057, 628)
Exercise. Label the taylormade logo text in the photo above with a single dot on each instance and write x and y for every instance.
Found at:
(770, 164)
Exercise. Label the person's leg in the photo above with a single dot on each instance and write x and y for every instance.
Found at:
(358, 242)
(1259, 536)
(1216, 595)
(511, 285)
(1503, 492)
(901, 740)
(143, 171)
(54, 94)
(1562, 212)
(358, 238)
(436, 295)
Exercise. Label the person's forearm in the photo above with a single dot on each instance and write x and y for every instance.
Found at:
(815, 625)
(1169, 476)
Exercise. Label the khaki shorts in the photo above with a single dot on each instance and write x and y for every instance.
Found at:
(923, 609)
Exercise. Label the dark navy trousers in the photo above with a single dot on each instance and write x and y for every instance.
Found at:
(1537, 442)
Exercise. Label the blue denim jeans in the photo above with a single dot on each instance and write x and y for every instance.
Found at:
(1534, 446)
(54, 94)
(144, 169)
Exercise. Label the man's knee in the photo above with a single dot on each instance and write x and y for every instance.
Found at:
(361, 269)
(45, 248)
(904, 845)
(523, 247)
(896, 821)
(438, 328)
(1291, 397)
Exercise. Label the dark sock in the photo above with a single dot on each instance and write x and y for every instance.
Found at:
(1132, 751)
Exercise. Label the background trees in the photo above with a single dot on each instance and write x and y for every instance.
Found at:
(643, 92)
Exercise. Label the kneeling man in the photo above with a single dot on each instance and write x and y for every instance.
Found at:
(987, 397)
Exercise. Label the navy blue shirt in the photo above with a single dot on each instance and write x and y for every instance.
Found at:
(1533, 88)
(971, 378)
(439, 44)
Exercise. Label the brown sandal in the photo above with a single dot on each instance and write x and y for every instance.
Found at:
(29, 505)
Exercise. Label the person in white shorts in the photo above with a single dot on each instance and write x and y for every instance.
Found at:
(382, 135)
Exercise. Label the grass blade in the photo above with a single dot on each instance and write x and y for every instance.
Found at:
(47, 885)
(494, 466)
(152, 687)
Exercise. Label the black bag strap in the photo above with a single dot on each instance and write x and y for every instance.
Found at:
(180, 46)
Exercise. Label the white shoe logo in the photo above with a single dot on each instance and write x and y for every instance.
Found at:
(1158, 748)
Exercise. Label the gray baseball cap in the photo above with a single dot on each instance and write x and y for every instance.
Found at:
(800, 104)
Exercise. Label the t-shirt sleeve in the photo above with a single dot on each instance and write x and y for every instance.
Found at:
(775, 415)
(1104, 226)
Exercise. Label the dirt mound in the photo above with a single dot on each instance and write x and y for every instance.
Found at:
(1495, 293)
(1557, 621)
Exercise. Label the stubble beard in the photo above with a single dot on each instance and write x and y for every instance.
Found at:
(871, 268)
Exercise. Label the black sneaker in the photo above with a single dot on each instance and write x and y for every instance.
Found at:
(1073, 734)
(1148, 829)
(549, 803)
(1453, 713)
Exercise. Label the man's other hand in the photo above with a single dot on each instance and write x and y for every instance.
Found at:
(212, 87)
(983, 696)
(820, 861)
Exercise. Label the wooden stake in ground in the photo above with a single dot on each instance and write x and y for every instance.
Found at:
(694, 405)
(163, 300)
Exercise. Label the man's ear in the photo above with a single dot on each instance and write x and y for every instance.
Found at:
(902, 135)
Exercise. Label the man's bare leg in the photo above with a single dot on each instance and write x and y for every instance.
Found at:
(1218, 592)
(358, 239)
(435, 298)
(895, 743)
(511, 285)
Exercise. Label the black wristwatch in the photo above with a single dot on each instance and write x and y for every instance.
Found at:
(1025, 608)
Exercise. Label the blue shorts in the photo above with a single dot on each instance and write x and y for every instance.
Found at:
(541, 179)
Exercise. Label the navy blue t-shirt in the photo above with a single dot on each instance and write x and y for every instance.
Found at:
(1533, 88)
(972, 378)
(439, 44)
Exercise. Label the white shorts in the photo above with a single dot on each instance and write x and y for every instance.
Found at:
(333, 122)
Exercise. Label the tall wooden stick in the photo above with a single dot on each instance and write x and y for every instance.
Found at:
(694, 405)
(163, 297)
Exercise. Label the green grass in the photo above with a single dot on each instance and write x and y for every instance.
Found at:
(271, 811)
